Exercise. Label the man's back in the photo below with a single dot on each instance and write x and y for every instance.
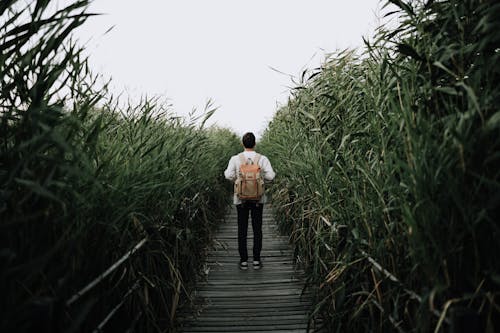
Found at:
(231, 172)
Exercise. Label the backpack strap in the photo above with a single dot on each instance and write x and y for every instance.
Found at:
(242, 158)
(256, 158)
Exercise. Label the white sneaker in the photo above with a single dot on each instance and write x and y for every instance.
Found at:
(243, 265)
(256, 264)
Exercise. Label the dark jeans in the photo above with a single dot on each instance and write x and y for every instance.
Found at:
(255, 209)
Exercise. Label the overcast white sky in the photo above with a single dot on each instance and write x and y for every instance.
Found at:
(191, 50)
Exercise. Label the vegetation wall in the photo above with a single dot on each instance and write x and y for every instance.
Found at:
(388, 162)
(105, 209)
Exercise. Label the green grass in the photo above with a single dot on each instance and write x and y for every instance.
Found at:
(84, 180)
(388, 174)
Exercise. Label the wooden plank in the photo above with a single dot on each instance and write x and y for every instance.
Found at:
(238, 282)
(256, 287)
(249, 328)
(216, 329)
(299, 330)
(250, 325)
(249, 306)
(228, 311)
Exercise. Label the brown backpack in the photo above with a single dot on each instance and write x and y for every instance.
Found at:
(249, 185)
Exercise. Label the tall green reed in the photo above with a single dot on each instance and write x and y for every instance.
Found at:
(84, 181)
(389, 174)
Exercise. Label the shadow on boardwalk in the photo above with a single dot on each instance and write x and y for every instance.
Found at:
(265, 300)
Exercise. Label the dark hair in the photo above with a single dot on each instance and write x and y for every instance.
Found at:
(248, 140)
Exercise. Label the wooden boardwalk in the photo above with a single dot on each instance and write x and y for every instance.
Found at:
(265, 300)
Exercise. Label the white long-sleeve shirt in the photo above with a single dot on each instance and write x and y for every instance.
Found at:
(233, 167)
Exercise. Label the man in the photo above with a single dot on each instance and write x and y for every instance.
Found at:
(255, 208)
